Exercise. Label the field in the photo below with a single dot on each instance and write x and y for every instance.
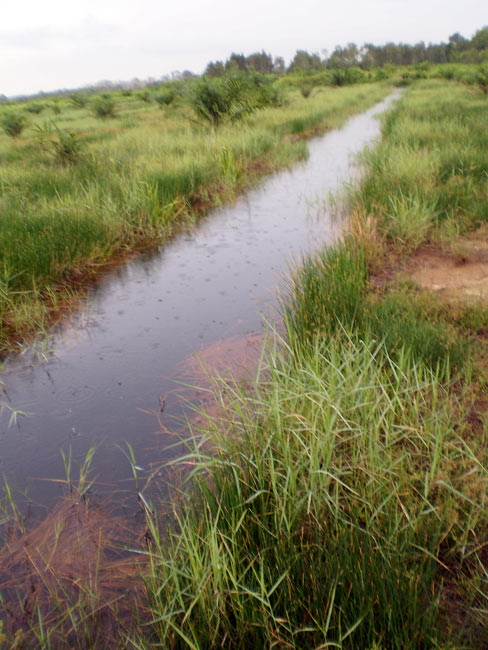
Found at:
(340, 498)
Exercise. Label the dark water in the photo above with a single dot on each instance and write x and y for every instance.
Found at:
(94, 382)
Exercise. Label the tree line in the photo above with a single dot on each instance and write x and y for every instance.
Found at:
(458, 49)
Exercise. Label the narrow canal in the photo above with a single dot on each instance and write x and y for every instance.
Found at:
(99, 377)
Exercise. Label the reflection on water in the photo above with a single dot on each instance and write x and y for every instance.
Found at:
(100, 378)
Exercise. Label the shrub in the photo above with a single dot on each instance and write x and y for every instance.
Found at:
(65, 146)
(228, 98)
(104, 107)
(145, 95)
(482, 78)
(35, 108)
(80, 100)
(55, 107)
(165, 97)
(305, 86)
(13, 123)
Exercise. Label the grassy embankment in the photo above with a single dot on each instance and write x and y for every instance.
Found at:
(344, 503)
(80, 192)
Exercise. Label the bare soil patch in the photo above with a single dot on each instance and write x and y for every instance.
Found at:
(459, 272)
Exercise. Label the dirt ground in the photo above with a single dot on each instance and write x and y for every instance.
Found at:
(461, 271)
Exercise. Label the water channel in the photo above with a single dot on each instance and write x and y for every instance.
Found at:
(97, 380)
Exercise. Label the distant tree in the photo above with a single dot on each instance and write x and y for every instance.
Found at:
(305, 62)
(279, 65)
(458, 42)
(344, 57)
(260, 62)
(480, 39)
(236, 63)
(214, 69)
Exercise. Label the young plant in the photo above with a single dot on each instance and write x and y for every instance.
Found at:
(55, 107)
(104, 107)
(65, 146)
(13, 123)
(145, 95)
(165, 97)
(224, 99)
(35, 107)
(305, 86)
(80, 100)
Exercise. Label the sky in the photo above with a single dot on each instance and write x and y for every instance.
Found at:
(54, 44)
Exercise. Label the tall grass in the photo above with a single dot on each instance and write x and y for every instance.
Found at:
(330, 294)
(431, 168)
(338, 496)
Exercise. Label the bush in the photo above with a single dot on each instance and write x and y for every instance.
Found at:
(55, 107)
(231, 98)
(80, 100)
(67, 147)
(482, 78)
(104, 107)
(35, 108)
(13, 123)
(64, 146)
(165, 97)
(305, 86)
(145, 95)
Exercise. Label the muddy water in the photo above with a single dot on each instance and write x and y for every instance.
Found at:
(99, 380)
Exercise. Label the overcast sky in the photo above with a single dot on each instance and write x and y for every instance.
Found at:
(51, 44)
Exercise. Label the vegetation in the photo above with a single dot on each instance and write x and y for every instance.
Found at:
(104, 106)
(340, 499)
(428, 176)
(13, 123)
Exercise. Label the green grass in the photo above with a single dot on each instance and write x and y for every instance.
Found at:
(330, 294)
(337, 489)
(135, 178)
(430, 171)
